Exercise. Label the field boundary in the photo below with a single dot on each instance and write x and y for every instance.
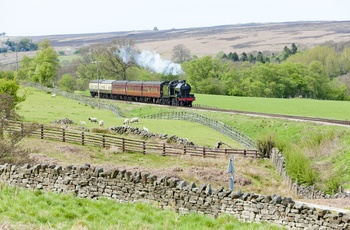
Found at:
(122, 144)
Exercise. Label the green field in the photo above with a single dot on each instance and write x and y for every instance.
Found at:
(27, 210)
(295, 106)
(41, 212)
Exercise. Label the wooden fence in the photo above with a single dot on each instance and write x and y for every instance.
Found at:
(123, 144)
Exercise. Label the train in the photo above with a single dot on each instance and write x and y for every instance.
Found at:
(174, 93)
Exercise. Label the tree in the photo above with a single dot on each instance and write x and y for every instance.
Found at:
(67, 83)
(205, 75)
(10, 88)
(181, 54)
(251, 58)
(235, 56)
(27, 68)
(260, 57)
(47, 64)
(244, 57)
(294, 49)
(10, 151)
(119, 57)
(345, 61)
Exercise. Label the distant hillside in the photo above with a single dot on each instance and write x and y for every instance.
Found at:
(211, 40)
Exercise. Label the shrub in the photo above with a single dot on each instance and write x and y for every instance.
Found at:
(299, 167)
(265, 146)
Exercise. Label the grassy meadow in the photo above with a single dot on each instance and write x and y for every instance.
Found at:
(22, 209)
(324, 148)
(26, 210)
(290, 106)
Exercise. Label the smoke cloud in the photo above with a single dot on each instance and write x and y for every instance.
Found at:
(151, 61)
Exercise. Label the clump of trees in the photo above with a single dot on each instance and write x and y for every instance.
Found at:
(42, 68)
(313, 73)
(259, 56)
(25, 44)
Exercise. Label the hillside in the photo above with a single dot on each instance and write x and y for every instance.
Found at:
(271, 37)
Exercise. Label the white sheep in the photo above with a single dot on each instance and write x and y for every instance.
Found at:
(83, 123)
(93, 119)
(101, 123)
(53, 95)
(126, 121)
(145, 129)
(134, 120)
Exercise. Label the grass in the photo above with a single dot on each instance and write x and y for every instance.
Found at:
(289, 135)
(296, 106)
(327, 147)
(24, 209)
(40, 107)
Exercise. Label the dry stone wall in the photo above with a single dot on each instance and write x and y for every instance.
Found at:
(167, 192)
(306, 192)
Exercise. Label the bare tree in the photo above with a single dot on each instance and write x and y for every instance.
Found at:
(119, 57)
(181, 54)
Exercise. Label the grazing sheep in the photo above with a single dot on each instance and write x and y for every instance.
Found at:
(145, 129)
(53, 95)
(93, 120)
(126, 121)
(83, 123)
(101, 123)
(134, 120)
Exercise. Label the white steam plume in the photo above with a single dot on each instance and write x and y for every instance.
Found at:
(152, 61)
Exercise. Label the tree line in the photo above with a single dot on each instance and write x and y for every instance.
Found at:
(25, 44)
(319, 72)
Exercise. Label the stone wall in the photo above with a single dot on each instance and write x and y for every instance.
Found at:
(306, 192)
(90, 182)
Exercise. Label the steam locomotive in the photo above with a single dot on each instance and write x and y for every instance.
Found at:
(176, 93)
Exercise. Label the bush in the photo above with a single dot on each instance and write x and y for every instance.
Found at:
(265, 146)
(299, 167)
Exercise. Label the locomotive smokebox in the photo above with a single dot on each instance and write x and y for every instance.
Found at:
(183, 88)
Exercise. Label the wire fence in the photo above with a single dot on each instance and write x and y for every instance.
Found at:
(212, 123)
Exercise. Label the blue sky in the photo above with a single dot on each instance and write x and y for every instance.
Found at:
(49, 17)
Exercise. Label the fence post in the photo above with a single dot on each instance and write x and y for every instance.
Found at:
(225, 151)
(144, 147)
(123, 144)
(245, 153)
(184, 149)
(103, 141)
(203, 152)
(42, 131)
(82, 138)
(163, 149)
(63, 135)
(22, 129)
